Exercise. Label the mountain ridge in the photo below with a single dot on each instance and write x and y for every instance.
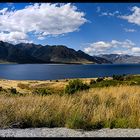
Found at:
(121, 58)
(33, 53)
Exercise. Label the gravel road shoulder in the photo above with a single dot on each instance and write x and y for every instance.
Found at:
(64, 132)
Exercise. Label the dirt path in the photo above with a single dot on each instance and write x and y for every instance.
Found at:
(64, 132)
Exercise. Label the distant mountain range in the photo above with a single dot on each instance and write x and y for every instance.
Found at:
(32, 53)
(121, 59)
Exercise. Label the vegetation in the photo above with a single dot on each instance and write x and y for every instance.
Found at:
(75, 85)
(112, 107)
(23, 86)
(118, 77)
(42, 91)
(109, 103)
(116, 81)
(99, 79)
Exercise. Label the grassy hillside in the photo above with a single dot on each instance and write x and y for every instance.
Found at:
(46, 104)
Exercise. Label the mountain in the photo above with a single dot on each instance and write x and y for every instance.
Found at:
(32, 53)
(117, 58)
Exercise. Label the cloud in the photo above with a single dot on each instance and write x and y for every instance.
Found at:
(41, 20)
(136, 50)
(134, 17)
(109, 13)
(15, 37)
(114, 46)
(129, 30)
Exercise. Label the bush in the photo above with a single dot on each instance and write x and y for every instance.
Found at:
(1, 88)
(42, 91)
(99, 79)
(75, 85)
(92, 82)
(118, 77)
(13, 90)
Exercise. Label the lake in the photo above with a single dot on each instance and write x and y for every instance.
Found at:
(62, 71)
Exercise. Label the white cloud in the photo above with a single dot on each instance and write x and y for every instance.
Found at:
(129, 30)
(109, 13)
(134, 17)
(42, 19)
(3, 11)
(114, 46)
(136, 50)
(14, 37)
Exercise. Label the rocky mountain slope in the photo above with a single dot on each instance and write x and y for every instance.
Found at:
(32, 53)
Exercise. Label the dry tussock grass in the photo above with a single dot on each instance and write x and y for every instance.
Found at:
(95, 108)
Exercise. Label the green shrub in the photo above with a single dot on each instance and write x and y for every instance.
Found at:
(106, 83)
(75, 85)
(118, 77)
(42, 91)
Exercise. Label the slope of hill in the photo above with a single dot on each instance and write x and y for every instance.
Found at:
(32, 53)
(116, 58)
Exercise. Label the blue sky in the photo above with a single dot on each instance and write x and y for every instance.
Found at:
(95, 28)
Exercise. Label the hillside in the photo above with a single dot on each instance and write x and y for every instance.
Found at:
(32, 53)
(122, 59)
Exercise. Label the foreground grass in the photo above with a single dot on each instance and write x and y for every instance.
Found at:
(113, 107)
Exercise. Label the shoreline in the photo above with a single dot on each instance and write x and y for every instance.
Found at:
(64, 79)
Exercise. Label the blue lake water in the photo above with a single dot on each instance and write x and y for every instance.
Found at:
(62, 71)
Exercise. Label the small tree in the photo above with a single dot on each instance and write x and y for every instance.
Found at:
(75, 85)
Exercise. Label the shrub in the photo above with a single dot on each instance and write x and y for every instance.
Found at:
(56, 81)
(92, 82)
(99, 79)
(1, 88)
(42, 91)
(13, 90)
(118, 77)
(129, 77)
(75, 85)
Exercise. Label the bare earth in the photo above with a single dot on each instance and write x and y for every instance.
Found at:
(64, 132)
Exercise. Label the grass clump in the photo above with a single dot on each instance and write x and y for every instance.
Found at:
(42, 91)
(23, 86)
(75, 85)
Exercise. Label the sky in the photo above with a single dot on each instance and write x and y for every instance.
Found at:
(95, 28)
